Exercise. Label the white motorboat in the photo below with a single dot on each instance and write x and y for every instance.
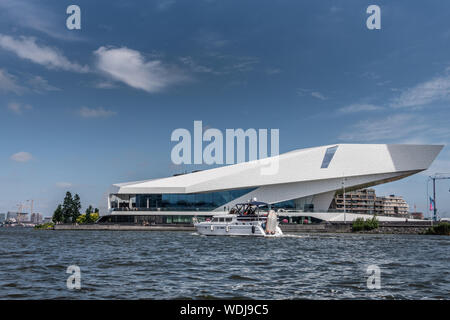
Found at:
(245, 219)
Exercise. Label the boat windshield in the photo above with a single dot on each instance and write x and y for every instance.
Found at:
(247, 209)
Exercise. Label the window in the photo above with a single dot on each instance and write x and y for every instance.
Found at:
(289, 204)
(329, 154)
(188, 202)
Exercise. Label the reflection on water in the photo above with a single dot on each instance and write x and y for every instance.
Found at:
(168, 265)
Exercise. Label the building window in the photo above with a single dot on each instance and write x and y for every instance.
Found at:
(289, 204)
(328, 156)
(188, 202)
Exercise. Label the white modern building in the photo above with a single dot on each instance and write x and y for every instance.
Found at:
(304, 180)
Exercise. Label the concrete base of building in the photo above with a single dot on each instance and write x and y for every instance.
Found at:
(385, 227)
(120, 227)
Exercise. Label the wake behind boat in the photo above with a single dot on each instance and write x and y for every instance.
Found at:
(245, 219)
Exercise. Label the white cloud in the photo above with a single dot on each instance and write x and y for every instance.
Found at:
(318, 95)
(437, 89)
(163, 5)
(63, 184)
(359, 107)
(335, 9)
(96, 113)
(22, 156)
(393, 127)
(370, 75)
(8, 83)
(130, 67)
(37, 16)
(27, 48)
(271, 71)
(243, 64)
(39, 84)
(224, 64)
(195, 67)
(105, 85)
(18, 108)
(315, 94)
(211, 40)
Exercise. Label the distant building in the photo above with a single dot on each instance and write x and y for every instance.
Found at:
(36, 218)
(360, 201)
(18, 216)
(23, 217)
(2, 217)
(394, 206)
(366, 201)
(11, 215)
(47, 220)
(416, 215)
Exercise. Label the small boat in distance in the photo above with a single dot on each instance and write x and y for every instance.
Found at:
(244, 219)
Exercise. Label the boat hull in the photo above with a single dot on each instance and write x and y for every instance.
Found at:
(252, 230)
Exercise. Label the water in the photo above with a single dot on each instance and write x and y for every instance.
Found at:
(176, 265)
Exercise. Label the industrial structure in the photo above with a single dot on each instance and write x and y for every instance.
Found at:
(437, 176)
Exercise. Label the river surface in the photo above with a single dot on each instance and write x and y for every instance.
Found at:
(184, 265)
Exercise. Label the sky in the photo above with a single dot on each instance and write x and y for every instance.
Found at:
(83, 109)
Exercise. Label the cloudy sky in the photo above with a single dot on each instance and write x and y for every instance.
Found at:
(82, 109)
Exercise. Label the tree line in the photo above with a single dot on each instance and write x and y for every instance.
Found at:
(69, 211)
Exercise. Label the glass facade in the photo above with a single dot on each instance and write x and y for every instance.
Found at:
(329, 154)
(148, 220)
(293, 205)
(298, 219)
(287, 205)
(188, 202)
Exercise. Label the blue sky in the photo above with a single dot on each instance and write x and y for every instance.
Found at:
(82, 109)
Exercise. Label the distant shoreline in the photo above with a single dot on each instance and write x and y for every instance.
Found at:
(385, 228)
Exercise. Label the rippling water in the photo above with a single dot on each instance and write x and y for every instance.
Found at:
(169, 265)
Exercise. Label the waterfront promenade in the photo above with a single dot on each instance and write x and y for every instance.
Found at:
(384, 227)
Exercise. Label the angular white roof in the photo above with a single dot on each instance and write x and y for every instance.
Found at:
(377, 162)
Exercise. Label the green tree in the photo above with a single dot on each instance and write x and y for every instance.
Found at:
(67, 208)
(76, 207)
(443, 228)
(358, 224)
(82, 218)
(89, 210)
(95, 216)
(58, 214)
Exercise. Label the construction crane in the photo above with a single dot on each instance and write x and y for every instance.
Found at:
(19, 212)
(21, 207)
(31, 208)
(437, 176)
